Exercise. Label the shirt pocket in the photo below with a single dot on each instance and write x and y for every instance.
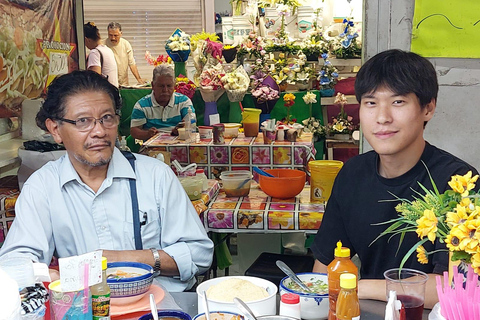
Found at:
(149, 230)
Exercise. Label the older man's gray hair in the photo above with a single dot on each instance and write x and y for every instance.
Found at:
(163, 70)
(114, 25)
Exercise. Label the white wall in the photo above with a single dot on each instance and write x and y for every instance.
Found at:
(455, 126)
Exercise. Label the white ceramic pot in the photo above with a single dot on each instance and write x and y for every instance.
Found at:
(312, 306)
(262, 307)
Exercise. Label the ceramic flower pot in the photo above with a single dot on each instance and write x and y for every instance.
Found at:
(327, 92)
(302, 85)
(341, 136)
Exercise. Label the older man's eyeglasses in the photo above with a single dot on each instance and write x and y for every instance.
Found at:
(88, 123)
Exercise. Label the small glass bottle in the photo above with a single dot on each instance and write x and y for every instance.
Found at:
(290, 305)
(348, 307)
(200, 173)
(101, 296)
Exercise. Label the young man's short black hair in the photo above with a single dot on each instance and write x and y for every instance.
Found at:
(400, 71)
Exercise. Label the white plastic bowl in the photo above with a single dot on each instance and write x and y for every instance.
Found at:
(262, 307)
(312, 306)
(219, 315)
(231, 130)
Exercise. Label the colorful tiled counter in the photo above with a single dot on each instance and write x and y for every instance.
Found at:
(237, 153)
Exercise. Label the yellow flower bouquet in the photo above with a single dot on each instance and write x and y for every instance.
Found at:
(452, 217)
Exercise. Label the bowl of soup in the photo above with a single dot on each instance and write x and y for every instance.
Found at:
(129, 280)
(312, 305)
(167, 315)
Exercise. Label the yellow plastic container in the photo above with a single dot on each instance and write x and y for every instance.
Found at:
(250, 120)
(323, 173)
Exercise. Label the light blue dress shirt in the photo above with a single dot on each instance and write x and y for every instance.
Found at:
(57, 213)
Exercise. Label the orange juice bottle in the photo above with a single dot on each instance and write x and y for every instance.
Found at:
(348, 306)
(341, 264)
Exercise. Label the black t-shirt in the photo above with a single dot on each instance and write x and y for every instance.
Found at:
(361, 198)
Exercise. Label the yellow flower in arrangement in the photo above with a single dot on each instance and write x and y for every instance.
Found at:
(476, 262)
(422, 255)
(427, 225)
(452, 217)
(463, 184)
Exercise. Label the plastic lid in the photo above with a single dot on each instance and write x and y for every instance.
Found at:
(348, 281)
(104, 263)
(199, 171)
(290, 298)
(340, 251)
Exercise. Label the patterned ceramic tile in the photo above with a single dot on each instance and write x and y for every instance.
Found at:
(240, 155)
(220, 219)
(250, 219)
(280, 220)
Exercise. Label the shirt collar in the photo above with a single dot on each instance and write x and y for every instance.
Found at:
(170, 104)
(119, 167)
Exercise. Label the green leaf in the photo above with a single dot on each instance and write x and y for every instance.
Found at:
(412, 250)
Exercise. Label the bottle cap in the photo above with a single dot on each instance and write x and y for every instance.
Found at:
(290, 298)
(348, 281)
(199, 171)
(340, 251)
(104, 263)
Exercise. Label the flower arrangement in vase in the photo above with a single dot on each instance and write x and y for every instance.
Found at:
(327, 76)
(302, 73)
(314, 45)
(178, 46)
(280, 71)
(211, 88)
(346, 44)
(266, 94)
(342, 125)
(452, 217)
(235, 84)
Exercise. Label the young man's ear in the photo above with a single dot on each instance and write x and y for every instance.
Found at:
(53, 128)
(429, 109)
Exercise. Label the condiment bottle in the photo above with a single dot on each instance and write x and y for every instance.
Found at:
(200, 173)
(290, 305)
(348, 307)
(341, 264)
(101, 296)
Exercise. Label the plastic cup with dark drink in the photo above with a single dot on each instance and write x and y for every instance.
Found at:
(409, 284)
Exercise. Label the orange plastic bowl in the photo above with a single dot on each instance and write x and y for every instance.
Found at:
(286, 184)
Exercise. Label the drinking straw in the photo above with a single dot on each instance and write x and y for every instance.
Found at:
(240, 104)
(86, 266)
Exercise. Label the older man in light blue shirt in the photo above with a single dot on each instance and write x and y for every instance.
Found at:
(82, 201)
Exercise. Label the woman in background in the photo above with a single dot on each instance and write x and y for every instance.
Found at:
(101, 58)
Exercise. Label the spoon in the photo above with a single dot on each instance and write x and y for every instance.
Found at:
(247, 312)
(263, 173)
(205, 302)
(153, 307)
(289, 272)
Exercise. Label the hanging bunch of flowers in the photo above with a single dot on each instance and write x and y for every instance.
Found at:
(178, 46)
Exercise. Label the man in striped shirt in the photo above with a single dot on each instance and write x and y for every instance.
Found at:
(162, 109)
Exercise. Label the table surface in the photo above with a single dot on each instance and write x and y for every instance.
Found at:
(369, 309)
(259, 213)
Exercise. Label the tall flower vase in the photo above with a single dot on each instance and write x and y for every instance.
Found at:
(235, 112)
(210, 109)
(461, 265)
(180, 68)
(329, 92)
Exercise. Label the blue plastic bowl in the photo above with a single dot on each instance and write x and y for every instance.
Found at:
(170, 313)
(127, 287)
